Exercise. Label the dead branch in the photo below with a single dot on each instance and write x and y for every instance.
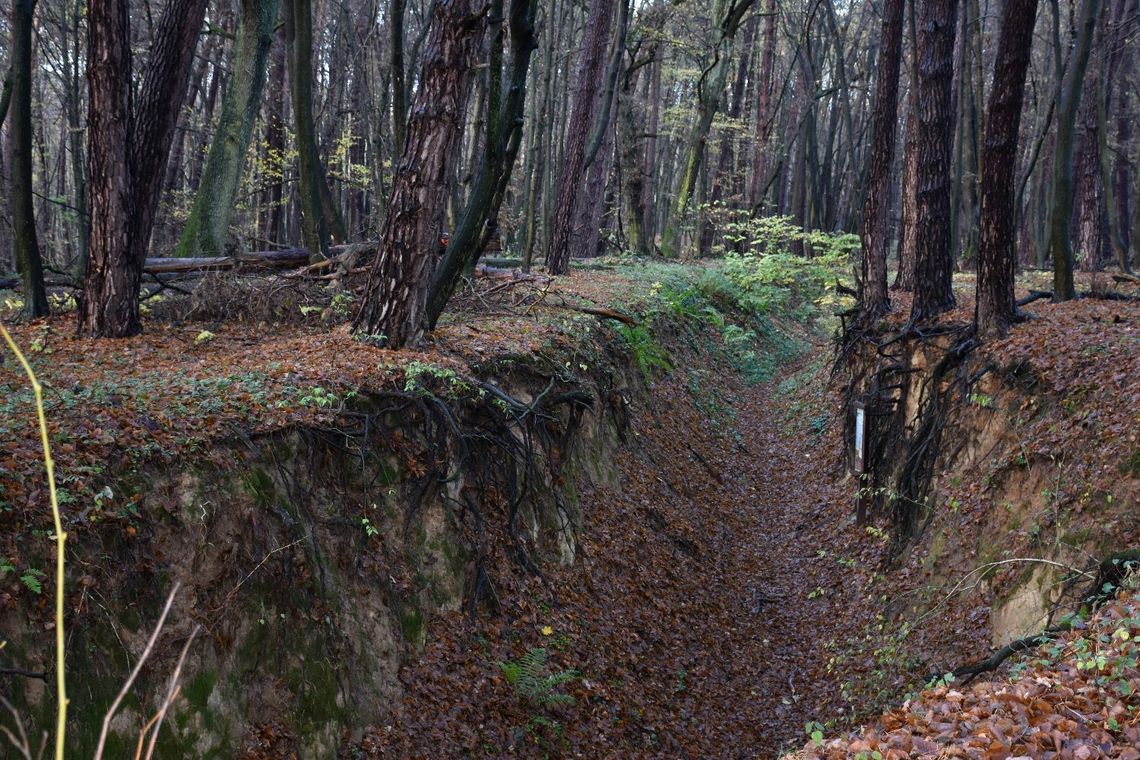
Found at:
(134, 672)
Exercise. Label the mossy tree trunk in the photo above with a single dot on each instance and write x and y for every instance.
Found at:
(679, 228)
(207, 228)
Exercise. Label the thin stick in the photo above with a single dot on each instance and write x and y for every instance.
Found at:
(146, 730)
(134, 672)
(255, 569)
(173, 692)
(22, 744)
(60, 540)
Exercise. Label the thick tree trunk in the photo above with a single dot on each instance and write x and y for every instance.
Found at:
(1060, 227)
(395, 301)
(109, 306)
(996, 308)
(208, 226)
(24, 237)
(590, 70)
(934, 260)
(127, 155)
(877, 203)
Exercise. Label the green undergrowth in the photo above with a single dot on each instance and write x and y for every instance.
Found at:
(763, 308)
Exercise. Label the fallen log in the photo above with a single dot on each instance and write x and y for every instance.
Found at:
(286, 259)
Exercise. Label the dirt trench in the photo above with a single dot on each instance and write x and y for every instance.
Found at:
(699, 614)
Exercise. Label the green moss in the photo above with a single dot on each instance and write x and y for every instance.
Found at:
(1131, 465)
(259, 485)
(413, 626)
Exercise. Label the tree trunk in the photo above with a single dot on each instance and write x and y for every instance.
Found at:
(109, 306)
(299, 39)
(934, 259)
(24, 237)
(273, 199)
(396, 10)
(127, 154)
(1060, 226)
(479, 220)
(763, 109)
(904, 278)
(876, 204)
(996, 308)
(589, 72)
(156, 109)
(395, 299)
(208, 226)
(710, 88)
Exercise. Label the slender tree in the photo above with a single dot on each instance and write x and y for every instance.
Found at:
(396, 295)
(875, 300)
(997, 257)
(1060, 225)
(299, 39)
(590, 69)
(208, 226)
(934, 259)
(24, 236)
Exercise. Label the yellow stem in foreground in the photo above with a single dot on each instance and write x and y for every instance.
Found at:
(60, 539)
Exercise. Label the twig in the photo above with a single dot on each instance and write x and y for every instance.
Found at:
(255, 569)
(20, 744)
(25, 673)
(135, 671)
(987, 566)
(172, 693)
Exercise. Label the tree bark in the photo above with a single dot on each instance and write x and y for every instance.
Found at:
(1060, 226)
(395, 299)
(299, 38)
(996, 307)
(24, 237)
(208, 226)
(934, 259)
(127, 153)
(109, 305)
(479, 220)
(590, 69)
(876, 205)
(396, 10)
(757, 188)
